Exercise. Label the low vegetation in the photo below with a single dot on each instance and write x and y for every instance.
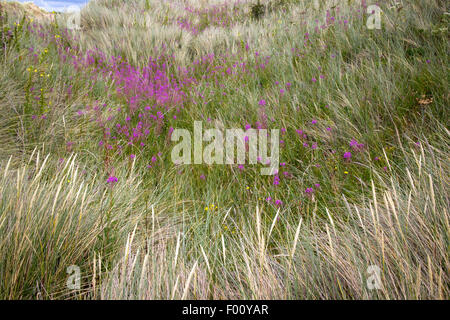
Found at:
(87, 180)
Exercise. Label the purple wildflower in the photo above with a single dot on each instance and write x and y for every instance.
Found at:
(276, 180)
(112, 179)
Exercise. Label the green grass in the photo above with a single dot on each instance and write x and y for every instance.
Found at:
(149, 236)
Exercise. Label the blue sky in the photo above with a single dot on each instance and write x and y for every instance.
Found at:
(57, 5)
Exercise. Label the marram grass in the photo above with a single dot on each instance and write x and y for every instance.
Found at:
(86, 177)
